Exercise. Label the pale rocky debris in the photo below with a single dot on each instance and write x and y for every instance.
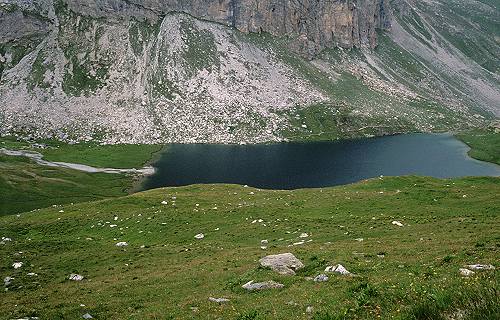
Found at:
(87, 316)
(17, 265)
(252, 286)
(284, 263)
(121, 244)
(199, 236)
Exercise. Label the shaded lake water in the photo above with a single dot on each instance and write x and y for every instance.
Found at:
(306, 165)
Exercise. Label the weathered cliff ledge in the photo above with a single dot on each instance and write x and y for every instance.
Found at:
(313, 25)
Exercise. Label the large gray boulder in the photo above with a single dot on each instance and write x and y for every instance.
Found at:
(284, 263)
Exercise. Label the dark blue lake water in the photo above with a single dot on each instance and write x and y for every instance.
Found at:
(305, 165)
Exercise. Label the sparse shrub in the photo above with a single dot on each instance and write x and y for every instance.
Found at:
(251, 315)
(448, 258)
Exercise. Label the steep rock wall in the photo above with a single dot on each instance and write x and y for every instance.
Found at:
(314, 24)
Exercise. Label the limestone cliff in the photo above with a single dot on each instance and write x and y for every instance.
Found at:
(313, 24)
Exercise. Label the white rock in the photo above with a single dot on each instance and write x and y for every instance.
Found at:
(321, 278)
(285, 263)
(251, 286)
(32, 274)
(164, 202)
(466, 272)
(480, 267)
(397, 223)
(218, 300)
(199, 236)
(309, 309)
(338, 268)
(264, 241)
(75, 277)
(303, 235)
(17, 265)
(121, 244)
(7, 281)
(87, 316)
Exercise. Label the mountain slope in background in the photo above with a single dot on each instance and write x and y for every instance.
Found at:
(245, 71)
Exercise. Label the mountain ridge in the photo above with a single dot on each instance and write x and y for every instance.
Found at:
(78, 77)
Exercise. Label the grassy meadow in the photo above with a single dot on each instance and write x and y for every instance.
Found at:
(25, 185)
(485, 144)
(409, 272)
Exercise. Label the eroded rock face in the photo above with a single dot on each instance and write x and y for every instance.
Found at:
(315, 24)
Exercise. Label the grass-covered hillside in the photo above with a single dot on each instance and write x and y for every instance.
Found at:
(26, 185)
(401, 272)
(485, 144)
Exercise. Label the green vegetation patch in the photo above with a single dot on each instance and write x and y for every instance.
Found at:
(25, 185)
(201, 52)
(79, 35)
(484, 144)
(104, 156)
(409, 272)
(39, 68)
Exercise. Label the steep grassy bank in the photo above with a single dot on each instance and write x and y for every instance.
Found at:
(408, 272)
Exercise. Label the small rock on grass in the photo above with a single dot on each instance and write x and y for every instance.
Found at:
(252, 286)
(199, 236)
(480, 267)
(17, 265)
(122, 244)
(218, 300)
(285, 263)
(309, 309)
(397, 223)
(87, 316)
(466, 272)
(7, 281)
(338, 268)
(321, 278)
(75, 277)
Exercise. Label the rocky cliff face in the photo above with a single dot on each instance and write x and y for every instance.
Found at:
(313, 24)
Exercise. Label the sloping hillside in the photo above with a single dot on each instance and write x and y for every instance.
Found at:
(73, 73)
(405, 271)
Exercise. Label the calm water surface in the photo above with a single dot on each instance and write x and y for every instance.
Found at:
(304, 165)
